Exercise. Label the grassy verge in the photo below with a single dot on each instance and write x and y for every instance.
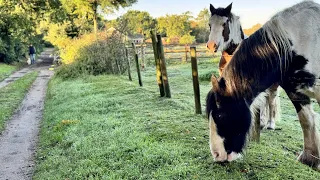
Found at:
(106, 127)
(6, 70)
(12, 95)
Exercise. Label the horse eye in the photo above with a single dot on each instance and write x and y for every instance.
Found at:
(218, 116)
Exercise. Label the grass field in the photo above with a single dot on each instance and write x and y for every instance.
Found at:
(106, 127)
(6, 70)
(12, 95)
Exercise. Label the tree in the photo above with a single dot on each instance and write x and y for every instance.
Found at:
(174, 25)
(203, 18)
(200, 27)
(18, 22)
(251, 30)
(187, 39)
(89, 9)
(137, 22)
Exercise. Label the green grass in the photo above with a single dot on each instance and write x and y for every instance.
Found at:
(12, 95)
(106, 127)
(6, 70)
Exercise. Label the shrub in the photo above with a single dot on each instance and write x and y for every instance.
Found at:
(187, 39)
(104, 56)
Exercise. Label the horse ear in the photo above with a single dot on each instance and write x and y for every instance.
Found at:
(212, 9)
(228, 9)
(223, 87)
(215, 83)
(222, 83)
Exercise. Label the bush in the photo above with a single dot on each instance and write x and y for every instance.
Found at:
(187, 39)
(17, 32)
(106, 56)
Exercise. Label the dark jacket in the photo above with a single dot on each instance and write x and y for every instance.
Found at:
(32, 50)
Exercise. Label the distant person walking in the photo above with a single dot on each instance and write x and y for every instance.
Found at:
(32, 53)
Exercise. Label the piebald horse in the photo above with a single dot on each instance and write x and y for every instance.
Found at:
(284, 51)
(225, 35)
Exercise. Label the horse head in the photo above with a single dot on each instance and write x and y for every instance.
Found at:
(229, 122)
(225, 29)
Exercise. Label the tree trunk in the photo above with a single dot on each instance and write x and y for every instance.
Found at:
(95, 16)
(95, 23)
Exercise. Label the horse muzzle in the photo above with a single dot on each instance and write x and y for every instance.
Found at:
(225, 157)
(212, 46)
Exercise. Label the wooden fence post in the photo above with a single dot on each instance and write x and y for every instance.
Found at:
(143, 63)
(157, 62)
(186, 53)
(128, 63)
(163, 67)
(137, 63)
(195, 79)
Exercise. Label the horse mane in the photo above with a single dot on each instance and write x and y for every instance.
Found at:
(264, 53)
(236, 31)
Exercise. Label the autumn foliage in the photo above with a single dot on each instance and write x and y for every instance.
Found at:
(251, 30)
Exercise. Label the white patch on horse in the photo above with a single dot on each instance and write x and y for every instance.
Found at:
(216, 22)
(216, 142)
(234, 156)
(307, 118)
(305, 43)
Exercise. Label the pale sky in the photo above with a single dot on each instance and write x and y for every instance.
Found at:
(251, 12)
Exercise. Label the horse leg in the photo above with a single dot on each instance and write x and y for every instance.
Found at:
(273, 101)
(255, 128)
(307, 117)
(264, 111)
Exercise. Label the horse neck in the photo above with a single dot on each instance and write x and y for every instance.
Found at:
(254, 68)
(231, 48)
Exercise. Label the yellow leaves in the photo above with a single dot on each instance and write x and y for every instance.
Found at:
(70, 48)
(64, 124)
(69, 122)
(251, 30)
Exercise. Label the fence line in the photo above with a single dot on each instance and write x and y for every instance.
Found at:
(202, 52)
(137, 63)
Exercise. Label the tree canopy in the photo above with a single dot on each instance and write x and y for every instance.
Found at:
(18, 22)
(251, 30)
(174, 25)
(58, 21)
(137, 22)
(30, 21)
(89, 9)
(200, 27)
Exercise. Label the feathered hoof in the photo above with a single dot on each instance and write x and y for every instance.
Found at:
(310, 159)
(271, 126)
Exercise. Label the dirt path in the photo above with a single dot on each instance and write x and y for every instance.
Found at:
(14, 77)
(43, 62)
(18, 140)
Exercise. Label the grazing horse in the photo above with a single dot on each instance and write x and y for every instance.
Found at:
(225, 35)
(283, 51)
